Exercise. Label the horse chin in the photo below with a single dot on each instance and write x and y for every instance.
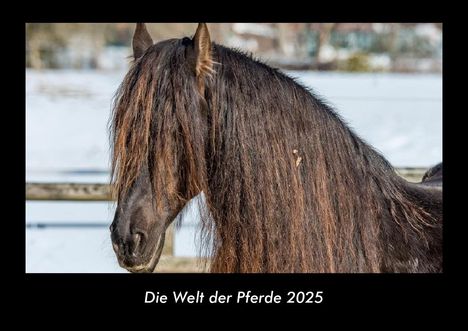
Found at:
(153, 262)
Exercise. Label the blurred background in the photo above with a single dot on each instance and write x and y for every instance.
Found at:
(356, 47)
(384, 79)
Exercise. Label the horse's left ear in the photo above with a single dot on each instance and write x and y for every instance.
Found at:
(141, 40)
(202, 44)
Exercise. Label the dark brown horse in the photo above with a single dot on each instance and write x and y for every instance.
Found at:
(433, 176)
(288, 186)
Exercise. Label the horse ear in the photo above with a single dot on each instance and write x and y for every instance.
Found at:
(141, 40)
(202, 44)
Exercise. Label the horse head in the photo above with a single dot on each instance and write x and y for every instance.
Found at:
(157, 141)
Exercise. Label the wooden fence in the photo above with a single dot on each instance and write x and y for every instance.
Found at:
(101, 192)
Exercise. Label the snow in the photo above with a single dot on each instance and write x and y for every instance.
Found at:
(400, 115)
(69, 250)
(67, 115)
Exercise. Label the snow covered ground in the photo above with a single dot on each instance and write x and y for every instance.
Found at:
(67, 114)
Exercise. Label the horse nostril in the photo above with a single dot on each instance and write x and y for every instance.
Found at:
(130, 246)
(115, 247)
(136, 238)
(119, 247)
(122, 248)
(136, 243)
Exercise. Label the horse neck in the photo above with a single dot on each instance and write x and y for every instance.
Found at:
(338, 198)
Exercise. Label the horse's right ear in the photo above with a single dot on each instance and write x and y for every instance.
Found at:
(141, 40)
(202, 44)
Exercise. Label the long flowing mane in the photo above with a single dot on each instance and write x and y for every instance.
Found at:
(289, 187)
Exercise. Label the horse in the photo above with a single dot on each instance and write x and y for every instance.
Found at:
(433, 176)
(288, 187)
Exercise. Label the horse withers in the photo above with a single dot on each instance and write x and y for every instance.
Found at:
(433, 176)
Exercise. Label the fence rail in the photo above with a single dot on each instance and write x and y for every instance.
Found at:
(68, 191)
(101, 192)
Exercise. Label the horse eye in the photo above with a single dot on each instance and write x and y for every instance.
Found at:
(186, 41)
